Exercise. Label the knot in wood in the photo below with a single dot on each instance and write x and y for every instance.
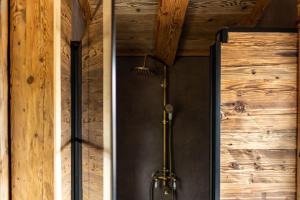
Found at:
(30, 79)
(239, 107)
(235, 165)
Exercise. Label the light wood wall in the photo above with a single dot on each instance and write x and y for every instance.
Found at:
(40, 90)
(4, 171)
(92, 107)
(109, 87)
(259, 116)
(66, 34)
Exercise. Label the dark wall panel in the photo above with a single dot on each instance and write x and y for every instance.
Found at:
(139, 135)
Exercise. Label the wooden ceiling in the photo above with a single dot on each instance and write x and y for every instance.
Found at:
(136, 22)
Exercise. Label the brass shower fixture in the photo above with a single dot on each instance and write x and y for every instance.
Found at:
(144, 70)
(165, 179)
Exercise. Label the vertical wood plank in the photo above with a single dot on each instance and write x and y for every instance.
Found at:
(259, 115)
(65, 78)
(4, 171)
(34, 69)
(92, 104)
(298, 136)
(85, 9)
(108, 90)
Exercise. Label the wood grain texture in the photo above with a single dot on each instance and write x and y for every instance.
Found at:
(85, 9)
(259, 116)
(257, 13)
(108, 66)
(66, 35)
(136, 22)
(4, 168)
(171, 16)
(298, 136)
(35, 65)
(92, 107)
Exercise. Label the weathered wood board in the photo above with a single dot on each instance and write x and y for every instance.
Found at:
(66, 34)
(40, 92)
(4, 167)
(298, 138)
(259, 115)
(136, 22)
(92, 106)
(32, 99)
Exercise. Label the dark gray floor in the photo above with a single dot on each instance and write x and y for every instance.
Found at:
(139, 139)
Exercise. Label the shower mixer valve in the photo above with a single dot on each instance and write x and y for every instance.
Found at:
(167, 183)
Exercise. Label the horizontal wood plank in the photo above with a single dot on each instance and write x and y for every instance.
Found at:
(259, 116)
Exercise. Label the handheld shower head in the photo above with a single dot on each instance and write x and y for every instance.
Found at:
(144, 70)
(169, 109)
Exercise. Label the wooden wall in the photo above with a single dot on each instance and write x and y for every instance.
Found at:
(4, 171)
(298, 138)
(92, 102)
(66, 34)
(259, 116)
(40, 99)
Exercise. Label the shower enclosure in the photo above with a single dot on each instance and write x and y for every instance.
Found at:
(235, 124)
(140, 136)
(232, 122)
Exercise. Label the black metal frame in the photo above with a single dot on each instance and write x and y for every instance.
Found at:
(215, 61)
(114, 106)
(9, 104)
(215, 64)
(76, 116)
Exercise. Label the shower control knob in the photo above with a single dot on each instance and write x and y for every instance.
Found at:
(174, 185)
(156, 183)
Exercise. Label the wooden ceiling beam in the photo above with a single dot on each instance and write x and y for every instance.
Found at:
(256, 15)
(171, 15)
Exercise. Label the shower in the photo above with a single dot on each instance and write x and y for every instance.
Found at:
(164, 181)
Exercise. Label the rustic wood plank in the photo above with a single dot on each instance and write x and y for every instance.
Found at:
(92, 104)
(136, 20)
(4, 167)
(35, 99)
(108, 65)
(171, 17)
(259, 116)
(195, 7)
(256, 15)
(65, 149)
(298, 136)
(85, 9)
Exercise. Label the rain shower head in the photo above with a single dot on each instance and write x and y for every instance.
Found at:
(144, 70)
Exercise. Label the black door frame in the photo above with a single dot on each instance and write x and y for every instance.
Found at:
(76, 121)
